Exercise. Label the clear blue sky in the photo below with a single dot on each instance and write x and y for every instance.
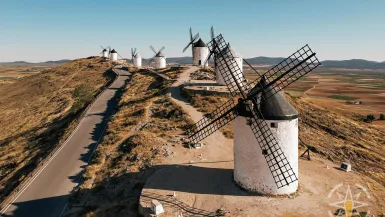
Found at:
(40, 30)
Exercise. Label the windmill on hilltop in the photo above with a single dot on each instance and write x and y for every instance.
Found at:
(223, 59)
(160, 59)
(104, 52)
(266, 125)
(114, 58)
(113, 55)
(136, 58)
(199, 50)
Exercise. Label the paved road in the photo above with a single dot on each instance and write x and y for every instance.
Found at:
(50, 189)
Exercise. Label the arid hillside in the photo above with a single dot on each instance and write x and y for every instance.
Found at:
(341, 138)
(136, 139)
(39, 111)
(331, 135)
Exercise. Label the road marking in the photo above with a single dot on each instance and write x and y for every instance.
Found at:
(51, 158)
(89, 159)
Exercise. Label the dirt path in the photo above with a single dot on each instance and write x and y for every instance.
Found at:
(305, 93)
(220, 148)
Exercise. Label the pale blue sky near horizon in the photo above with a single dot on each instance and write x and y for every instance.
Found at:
(43, 30)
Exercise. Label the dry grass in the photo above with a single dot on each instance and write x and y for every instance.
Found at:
(341, 138)
(207, 73)
(207, 104)
(10, 74)
(172, 73)
(35, 114)
(145, 121)
(335, 136)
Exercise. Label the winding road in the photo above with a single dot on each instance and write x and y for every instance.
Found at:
(50, 188)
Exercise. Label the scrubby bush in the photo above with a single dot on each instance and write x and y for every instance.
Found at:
(382, 117)
(83, 94)
(368, 119)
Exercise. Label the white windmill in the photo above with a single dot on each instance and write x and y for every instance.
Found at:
(104, 52)
(160, 59)
(199, 50)
(266, 125)
(136, 58)
(219, 70)
(220, 61)
(113, 55)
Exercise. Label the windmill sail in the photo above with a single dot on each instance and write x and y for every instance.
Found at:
(213, 121)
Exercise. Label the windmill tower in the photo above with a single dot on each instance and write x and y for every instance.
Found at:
(266, 125)
(113, 55)
(136, 58)
(223, 59)
(201, 52)
(160, 59)
(104, 52)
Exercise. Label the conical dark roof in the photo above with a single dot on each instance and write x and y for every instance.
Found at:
(200, 43)
(113, 51)
(104, 50)
(276, 107)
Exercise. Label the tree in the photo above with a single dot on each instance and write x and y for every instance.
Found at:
(382, 117)
(370, 118)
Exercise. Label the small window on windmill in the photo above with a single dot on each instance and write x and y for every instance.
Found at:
(273, 125)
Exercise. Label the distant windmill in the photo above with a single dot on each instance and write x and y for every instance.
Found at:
(104, 52)
(136, 58)
(113, 55)
(114, 58)
(199, 49)
(266, 125)
(160, 59)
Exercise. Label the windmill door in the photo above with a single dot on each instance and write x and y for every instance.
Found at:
(199, 62)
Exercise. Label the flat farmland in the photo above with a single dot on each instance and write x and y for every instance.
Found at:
(332, 88)
(10, 73)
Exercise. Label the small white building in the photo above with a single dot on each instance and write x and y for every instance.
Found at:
(221, 67)
(160, 61)
(105, 53)
(200, 53)
(251, 170)
(113, 55)
(137, 61)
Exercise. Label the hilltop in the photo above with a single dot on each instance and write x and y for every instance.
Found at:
(147, 129)
(261, 60)
(344, 64)
(39, 111)
(23, 63)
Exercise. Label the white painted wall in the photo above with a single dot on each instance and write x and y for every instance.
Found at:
(160, 62)
(114, 57)
(200, 53)
(251, 171)
(138, 61)
(219, 70)
(105, 54)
